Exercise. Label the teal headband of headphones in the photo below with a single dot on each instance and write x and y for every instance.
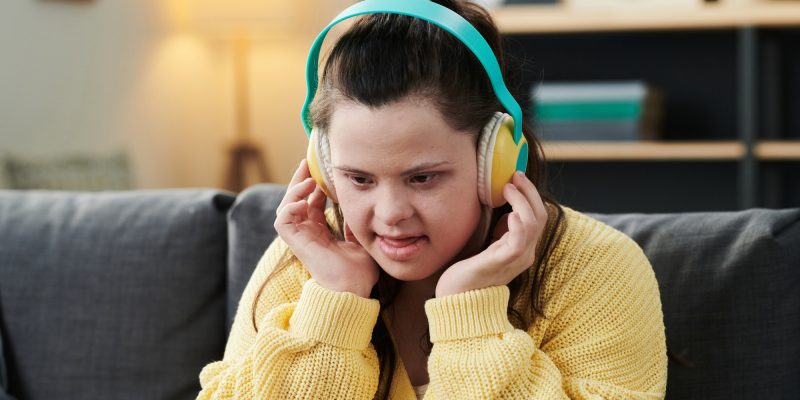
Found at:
(435, 14)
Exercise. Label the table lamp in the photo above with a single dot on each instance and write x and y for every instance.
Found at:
(240, 22)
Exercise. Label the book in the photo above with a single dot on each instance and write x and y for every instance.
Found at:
(616, 110)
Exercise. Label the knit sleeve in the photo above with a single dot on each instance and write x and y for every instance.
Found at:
(607, 341)
(317, 346)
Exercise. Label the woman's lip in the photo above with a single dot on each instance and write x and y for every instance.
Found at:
(401, 249)
(399, 241)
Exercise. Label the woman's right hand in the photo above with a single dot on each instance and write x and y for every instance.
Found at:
(342, 266)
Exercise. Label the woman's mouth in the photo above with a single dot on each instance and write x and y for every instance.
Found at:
(401, 248)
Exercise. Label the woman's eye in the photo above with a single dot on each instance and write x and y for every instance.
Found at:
(424, 178)
(359, 180)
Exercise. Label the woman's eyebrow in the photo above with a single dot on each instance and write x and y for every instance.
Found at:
(352, 170)
(424, 166)
(410, 171)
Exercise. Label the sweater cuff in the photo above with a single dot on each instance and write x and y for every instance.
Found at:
(341, 319)
(470, 314)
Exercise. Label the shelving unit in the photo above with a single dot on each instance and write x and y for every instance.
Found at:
(731, 74)
(644, 151)
(673, 151)
(523, 19)
(778, 150)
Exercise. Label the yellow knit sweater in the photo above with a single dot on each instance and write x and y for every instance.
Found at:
(603, 338)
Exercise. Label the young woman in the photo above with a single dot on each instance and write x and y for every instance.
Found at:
(411, 285)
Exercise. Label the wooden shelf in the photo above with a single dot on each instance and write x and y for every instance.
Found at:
(670, 151)
(778, 150)
(644, 151)
(562, 18)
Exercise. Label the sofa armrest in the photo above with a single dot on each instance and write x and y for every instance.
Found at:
(729, 288)
(112, 295)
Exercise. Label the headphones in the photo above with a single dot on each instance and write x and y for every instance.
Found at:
(502, 149)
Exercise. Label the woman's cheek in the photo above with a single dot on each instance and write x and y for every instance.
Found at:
(354, 211)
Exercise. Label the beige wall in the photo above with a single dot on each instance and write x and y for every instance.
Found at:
(97, 76)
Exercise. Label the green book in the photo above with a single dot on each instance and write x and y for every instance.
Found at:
(588, 110)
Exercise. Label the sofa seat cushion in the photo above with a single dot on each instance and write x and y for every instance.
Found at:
(117, 295)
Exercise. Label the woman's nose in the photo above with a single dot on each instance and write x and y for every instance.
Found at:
(392, 207)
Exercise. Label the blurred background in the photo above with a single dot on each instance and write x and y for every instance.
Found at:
(648, 105)
(152, 84)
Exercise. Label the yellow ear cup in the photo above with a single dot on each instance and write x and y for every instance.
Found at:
(318, 158)
(498, 158)
(485, 149)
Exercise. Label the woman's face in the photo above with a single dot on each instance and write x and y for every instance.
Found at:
(406, 184)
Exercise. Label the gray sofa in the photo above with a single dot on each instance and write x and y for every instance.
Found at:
(126, 295)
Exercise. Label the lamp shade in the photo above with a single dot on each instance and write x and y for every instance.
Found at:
(254, 17)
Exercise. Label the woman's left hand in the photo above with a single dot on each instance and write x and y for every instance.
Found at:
(514, 248)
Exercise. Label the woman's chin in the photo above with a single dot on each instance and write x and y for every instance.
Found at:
(407, 272)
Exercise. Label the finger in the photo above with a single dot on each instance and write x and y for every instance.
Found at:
(296, 192)
(299, 176)
(316, 205)
(317, 197)
(520, 204)
(518, 239)
(532, 194)
(510, 245)
(292, 214)
(289, 225)
(301, 173)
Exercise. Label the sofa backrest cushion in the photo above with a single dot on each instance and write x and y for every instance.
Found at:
(3, 375)
(730, 289)
(250, 231)
(117, 295)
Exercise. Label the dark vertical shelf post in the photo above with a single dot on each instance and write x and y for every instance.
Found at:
(771, 74)
(747, 92)
(771, 113)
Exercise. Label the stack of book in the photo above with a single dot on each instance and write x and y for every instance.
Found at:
(597, 111)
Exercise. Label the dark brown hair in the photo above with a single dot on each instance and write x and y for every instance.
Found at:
(384, 58)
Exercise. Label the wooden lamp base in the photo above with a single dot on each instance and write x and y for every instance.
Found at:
(244, 157)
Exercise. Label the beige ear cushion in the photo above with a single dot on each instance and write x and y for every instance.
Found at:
(324, 154)
(486, 143)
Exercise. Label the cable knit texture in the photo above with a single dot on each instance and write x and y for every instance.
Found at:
(603, 337)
